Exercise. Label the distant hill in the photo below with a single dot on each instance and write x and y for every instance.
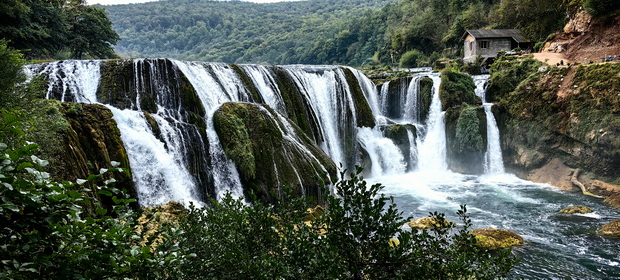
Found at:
(243, 32)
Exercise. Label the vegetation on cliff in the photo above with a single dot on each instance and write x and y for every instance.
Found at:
(569, 113)
(457, 88)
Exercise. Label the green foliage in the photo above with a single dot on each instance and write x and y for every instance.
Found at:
(52, 29)
(468, 137)
(47, 235)
(457, 88)
(11, 63)
(411, 59)
(601, 8)
(351, 240)
(507, 73)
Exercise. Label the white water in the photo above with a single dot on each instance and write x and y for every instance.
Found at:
(213, 91)
(493, 162)
(331, 105)
(432, 151)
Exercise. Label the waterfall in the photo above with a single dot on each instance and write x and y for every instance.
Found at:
(432, 150)
(493, 162)
(157, 164)
(213, 91)
(385, 157)
(183, 160)
(329, 96)
(411, 112)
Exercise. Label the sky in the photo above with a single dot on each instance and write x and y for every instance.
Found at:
(114, 2)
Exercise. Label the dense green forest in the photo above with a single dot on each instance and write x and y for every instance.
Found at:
(279, 33)
(352, 32)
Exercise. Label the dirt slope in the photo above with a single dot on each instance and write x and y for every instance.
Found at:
(584, 40)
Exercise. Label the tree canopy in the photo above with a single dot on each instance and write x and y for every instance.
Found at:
(57, 29)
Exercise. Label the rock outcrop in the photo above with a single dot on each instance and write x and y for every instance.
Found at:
(270, 151)
(496, 238)
(562, 120)
(579, 209)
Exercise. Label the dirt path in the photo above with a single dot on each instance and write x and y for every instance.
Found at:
(551, 58)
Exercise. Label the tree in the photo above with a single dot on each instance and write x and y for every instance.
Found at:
(11, 63)
(91, 31)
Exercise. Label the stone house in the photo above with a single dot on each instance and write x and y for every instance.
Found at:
(487, 43)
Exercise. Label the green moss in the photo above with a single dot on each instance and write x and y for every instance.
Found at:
(496, 238)
(238, 147)
(507, 73)
(466, 138)
(152, 124)
(468, 128)
(252, 139)
(363, 112)
(115, 83)
(426, 88)
(456, 89)
(576, 209)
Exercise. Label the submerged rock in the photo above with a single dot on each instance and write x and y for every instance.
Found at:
(613, 201)
(611, 229)
(429, 222)
(496, 238)
(270, 151)
(577, 210)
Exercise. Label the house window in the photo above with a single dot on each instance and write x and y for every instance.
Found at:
(484, 44)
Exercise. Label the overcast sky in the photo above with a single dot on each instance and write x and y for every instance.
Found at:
(114, 2)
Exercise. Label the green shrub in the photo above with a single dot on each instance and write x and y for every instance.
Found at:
(411, 59)
(353, 239)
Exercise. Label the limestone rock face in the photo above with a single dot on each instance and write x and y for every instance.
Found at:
(580, 209)
(560, 120)
(611, 229)
(270, 151)
(496, 238)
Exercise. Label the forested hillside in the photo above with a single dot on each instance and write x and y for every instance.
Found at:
(352, 32)
(279, 33)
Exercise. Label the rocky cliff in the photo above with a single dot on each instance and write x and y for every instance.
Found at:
(560, 120)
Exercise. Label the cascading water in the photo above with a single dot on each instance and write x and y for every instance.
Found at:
(493, 162)
(559, 247)
(432, 151)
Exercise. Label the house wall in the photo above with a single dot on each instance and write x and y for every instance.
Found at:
(472, 47)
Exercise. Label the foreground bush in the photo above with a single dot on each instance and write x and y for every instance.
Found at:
(351, 240)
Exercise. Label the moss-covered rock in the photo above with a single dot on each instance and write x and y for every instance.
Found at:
(570, 114)
(466, 139)
(579, 209)
(252, 137)
(496, 238)
(91, 142)
(429, 222)
(363, 113)
(611, 229)
(613, 201)
(426, 90)
(297, 109)
(456, 89)
(507, 73)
